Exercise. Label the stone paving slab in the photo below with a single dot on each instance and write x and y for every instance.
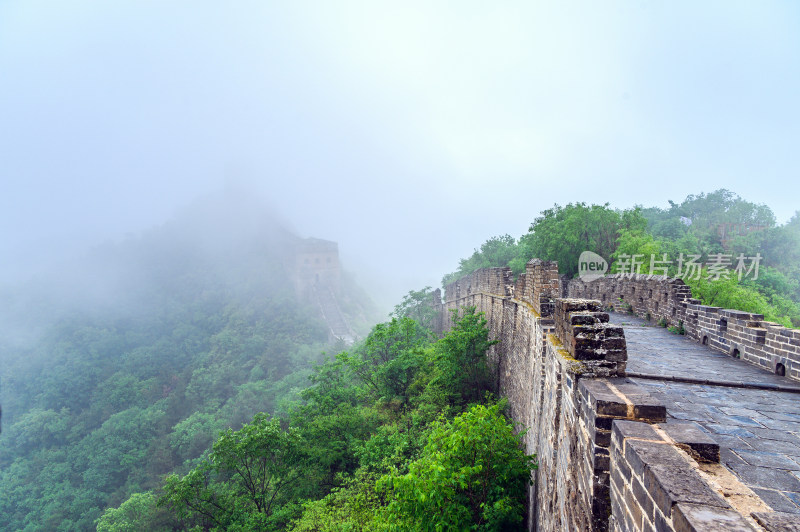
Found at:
(660, 352)
(758, 430)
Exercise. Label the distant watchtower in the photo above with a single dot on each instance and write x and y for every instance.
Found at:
(316, 266)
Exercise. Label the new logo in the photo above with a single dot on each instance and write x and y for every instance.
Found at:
(591, 266)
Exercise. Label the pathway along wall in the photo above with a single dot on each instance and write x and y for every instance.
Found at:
(602, 466)
(669, 301)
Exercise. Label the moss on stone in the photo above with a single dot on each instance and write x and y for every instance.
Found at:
(572, 364)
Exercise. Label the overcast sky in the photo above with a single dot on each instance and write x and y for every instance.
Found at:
(408, 132)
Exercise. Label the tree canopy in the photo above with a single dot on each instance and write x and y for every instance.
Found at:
(704, 226)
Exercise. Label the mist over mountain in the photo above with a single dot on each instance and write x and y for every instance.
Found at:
(230, 240)
(120, 365)
(201, 198)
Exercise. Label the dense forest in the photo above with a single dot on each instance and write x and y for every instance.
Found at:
(401, 433)
(175, 381)
(717, 232)
(123, 365)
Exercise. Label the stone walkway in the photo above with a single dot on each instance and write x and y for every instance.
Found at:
(758, 430)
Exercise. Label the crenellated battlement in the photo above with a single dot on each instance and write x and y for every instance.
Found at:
(669, 301)
(610, 456)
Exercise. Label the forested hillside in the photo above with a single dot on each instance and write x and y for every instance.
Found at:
(402, 432)
(729, 250)
(124, 365)
(175, 381)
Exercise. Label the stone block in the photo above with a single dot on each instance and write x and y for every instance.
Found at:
(778, 521)
(689, 517)
(668, 478)
(624, 429)
(642, 498)
(661, 524)
(650, 410)
(588, 318)
(603, 402)
(691, 438)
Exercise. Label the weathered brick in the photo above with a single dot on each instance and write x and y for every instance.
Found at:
(692, 439)
(572, 415)
(642, 498)
(688, 517)
(668, 485)
(778, 521)
(634, 429)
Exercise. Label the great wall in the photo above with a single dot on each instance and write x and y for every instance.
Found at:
(316, 274)
(634, 427)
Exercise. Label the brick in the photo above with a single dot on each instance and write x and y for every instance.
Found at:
(689, 517)
(767, 478)
(602, 422)
(623, 468)
(617, 480)
(776, 500)
(693, 440)
(572, 414)
(778, 521)
(602, 400)
(650, 411)
(661, 524)
(642, 498)
(634, 429)
(668, 478)
(635, 509)
(668, 486)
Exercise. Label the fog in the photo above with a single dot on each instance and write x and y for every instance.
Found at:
(409, 133)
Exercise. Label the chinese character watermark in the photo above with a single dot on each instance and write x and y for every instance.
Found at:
(693, 268)
(718, 266)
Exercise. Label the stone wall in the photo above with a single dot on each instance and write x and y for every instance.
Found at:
(606, 460)
(668, 300)
(656, 484)
(315, 265)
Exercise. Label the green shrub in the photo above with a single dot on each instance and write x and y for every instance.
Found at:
(472, 475)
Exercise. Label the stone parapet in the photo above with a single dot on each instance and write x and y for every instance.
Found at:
(669, 301)
(656, 487)
(542, 285)
(608, 460)
(583, 329)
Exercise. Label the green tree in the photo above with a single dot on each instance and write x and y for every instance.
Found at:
(730, 293)
(703, 215)
(770, 294)
(139, 513)
(193, 435)
(351, 507)
(708, 210)
(563, 233)
(496, 252)
(250, 473)
(109, 456)
(389, 358)
(464, 372)
(472, 475)
(336, 416)
(779, 248)
(631, 243)
(417, 305)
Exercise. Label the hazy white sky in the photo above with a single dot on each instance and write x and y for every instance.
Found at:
(408, 132)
